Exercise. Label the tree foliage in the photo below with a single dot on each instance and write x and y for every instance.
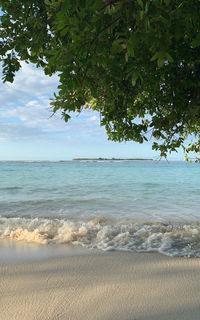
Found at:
(135, 61)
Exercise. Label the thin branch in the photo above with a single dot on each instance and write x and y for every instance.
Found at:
(104, 29)
(110, 3)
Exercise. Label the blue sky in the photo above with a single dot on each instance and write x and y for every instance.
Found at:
(28, 132)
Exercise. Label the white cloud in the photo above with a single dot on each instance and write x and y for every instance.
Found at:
(16, 132)
(94, 118)
(25, 111)
(33, 112)
(29, 82)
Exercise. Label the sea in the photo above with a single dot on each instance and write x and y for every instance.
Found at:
(134, 206)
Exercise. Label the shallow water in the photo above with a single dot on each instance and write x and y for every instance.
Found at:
(127, 205)
(20, 251)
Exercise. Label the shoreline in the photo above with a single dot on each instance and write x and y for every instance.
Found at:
(111, 159)
(103, 286)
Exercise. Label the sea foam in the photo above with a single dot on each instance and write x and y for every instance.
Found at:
(174, 239)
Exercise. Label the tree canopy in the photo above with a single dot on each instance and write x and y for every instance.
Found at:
(137, 62)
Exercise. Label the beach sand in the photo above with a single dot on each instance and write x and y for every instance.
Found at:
(103, 286)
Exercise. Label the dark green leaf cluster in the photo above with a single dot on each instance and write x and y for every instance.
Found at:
(135, 61)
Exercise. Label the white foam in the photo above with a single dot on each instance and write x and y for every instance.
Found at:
(173, 239)
(34, 236)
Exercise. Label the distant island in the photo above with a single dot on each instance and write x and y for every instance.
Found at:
(111, 159)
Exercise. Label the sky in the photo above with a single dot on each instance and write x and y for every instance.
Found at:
(28, 131)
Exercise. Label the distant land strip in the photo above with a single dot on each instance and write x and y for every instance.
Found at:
(111, 159)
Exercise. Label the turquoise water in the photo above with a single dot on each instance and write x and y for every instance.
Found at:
(122, 205)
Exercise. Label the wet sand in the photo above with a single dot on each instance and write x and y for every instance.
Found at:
(105, 286)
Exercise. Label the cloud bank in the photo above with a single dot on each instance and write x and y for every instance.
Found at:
(25, 111)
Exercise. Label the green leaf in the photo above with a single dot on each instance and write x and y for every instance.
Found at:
(117, 46)
(66, 117)
(155, 56)
(161, 57)
(196, 42)
(134, 78)
(161, 62)
(169, 57)
(64, 31)
(140, 2)
(141, 13)
(130, 49)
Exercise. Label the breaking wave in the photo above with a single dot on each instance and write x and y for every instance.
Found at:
(174, 239)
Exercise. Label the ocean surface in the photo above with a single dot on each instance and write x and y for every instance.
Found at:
(141, 206)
